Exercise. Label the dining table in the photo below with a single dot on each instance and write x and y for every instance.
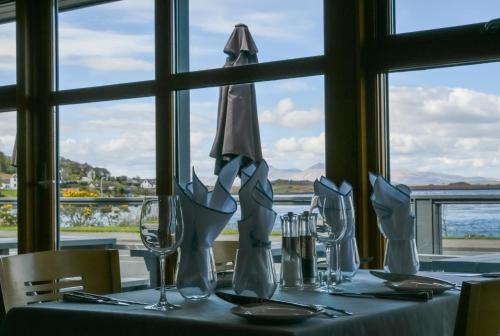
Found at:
(212, 316)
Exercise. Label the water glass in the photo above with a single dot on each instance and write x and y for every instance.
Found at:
(203, 279)
(254, 273)
(330, 229)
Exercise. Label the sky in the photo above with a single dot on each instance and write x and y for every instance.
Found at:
(440, 120)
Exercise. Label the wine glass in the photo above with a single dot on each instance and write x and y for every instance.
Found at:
(162, 230)
(330, 229)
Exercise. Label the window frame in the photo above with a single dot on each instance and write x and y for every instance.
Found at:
(355, 64)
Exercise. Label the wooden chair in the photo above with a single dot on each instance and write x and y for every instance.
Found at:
(479, 309)
(225, 254)
(41, 276)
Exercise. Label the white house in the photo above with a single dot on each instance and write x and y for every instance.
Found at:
(148, 184)
(12, 184)
(89, 177)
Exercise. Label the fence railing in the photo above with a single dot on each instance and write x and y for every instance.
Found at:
(430, 217)
(428, 208)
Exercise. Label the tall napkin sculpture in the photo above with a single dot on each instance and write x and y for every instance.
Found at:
(397, 224)
(349, 256)
(205, 215)
(254, 273)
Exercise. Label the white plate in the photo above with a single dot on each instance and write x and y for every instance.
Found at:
(274, 313)
(414, 285)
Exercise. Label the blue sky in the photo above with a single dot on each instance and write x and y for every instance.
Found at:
(453, 110)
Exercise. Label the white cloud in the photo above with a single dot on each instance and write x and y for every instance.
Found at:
(128, 153)
(200, 138)
(105, 50)
(285, 115)
(274, 23)
(448, 130)
(7, 47)
(314, 145)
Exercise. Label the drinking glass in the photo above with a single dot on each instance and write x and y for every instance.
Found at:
(330, 229)
(162, 229)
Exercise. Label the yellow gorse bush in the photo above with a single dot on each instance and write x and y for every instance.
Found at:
(6, 207)
(87, 212)
(79, 193)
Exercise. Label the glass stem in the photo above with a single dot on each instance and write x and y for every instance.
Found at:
(163, 292)
(329, 267)
(338, 272)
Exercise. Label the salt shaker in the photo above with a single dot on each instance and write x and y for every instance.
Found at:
(307, 225)
(291, 266)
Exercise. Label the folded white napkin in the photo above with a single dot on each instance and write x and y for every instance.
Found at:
(205, 215)
(397, 223)
(254, 272)
(349, 257)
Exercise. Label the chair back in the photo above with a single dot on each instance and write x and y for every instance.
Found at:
(479, 309)
(41, 276)
(225, 254)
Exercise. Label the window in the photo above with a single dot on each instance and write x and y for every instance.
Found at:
(8, 53)
(444, 144)
(106, 44)
(280, 32)
(8, 183)
(106, 167)
(291, 122)
(428, 14)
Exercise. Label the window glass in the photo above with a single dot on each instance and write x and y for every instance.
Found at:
(8, 53)
(414, 15)
(8, 184)
(106, 44)
(280, 31)
(445, 144)
(107, 166)
(292, 133)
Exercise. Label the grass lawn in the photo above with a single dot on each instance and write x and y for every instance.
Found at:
(8, 193)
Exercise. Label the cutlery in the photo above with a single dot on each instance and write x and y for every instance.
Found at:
(71, 297)
(108, 298)
(397, 277)
(413, 296)
(484, 275)
(245, 300)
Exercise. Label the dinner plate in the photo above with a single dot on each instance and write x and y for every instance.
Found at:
(419, 285)
(274, 313)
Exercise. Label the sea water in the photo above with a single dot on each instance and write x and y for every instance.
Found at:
(459, 220)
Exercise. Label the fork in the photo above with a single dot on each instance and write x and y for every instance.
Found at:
(343, 311)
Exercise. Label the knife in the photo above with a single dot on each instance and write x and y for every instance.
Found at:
(242, 300)
(107, 298)
(398, 277)
(72, 297)
(484, 275)
(404, 296)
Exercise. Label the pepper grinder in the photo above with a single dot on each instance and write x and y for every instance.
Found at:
(307, 227)
(291, 266)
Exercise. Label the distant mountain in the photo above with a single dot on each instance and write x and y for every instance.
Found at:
(309, 174)
(415, 178)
